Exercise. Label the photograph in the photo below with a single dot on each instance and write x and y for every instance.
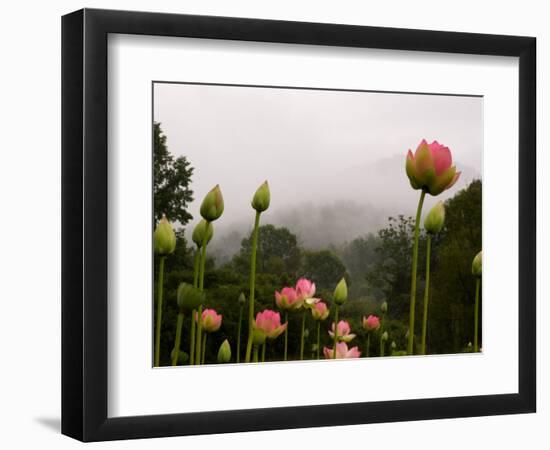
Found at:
(294, 224)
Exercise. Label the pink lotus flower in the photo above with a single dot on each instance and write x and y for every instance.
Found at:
(344, 331)
(211, 320)
(288, 299)
(305, 289)
(371, 323)
(320, 311)
(431, 168)
(268, 323)
(342, 352)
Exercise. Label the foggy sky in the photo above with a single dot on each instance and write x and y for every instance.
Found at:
(335, 161)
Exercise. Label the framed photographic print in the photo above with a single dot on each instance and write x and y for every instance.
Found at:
(272, 224)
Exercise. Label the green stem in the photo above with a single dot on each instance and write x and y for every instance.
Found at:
(192, 339)
(413, 274)
(239, 326)
(196, 269)
(252, 285)
(382, 347)
(335, 331)
(255, 353)
(178, 340)
(159, 311)
(476, 316)
(368, 344)
(198, 339)
(286, 335)
(263, 351)
(426, 294)
(303, 332)
(203, 347)
(318, 338)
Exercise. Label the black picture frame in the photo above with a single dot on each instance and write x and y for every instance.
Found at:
(84, 224)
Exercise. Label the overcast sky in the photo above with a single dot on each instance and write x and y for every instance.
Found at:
(319, 149)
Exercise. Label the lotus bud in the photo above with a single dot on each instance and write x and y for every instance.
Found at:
(224, 353)
(371, 323)
(430, 168)
(212, 205)
(385, 336)
(341, 292)
(262, 197)
(435, 219)
(476, 265)
(393, 345)
(189, 297)
(306, 333)
(242, 299)
(202, 228)
(164, 238)
(384, 307)
(183, 357)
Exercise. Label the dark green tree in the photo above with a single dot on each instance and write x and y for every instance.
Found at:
(278, 252)
(171, 181)
(324, 267)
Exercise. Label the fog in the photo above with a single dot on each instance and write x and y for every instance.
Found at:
(335, 161)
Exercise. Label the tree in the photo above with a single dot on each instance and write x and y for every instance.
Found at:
(324, 268)
(277, 252)
(171, 180)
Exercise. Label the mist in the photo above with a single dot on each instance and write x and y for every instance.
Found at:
(335, 161)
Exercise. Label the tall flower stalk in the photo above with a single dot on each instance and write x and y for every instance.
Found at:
(370, 324)
(211, 209)
(319, 312)
(433, 223)
(188, 298)
(287, 300)
(430, 169)
(476, 272)
(164, 240)
(242, 302)
(260, 202)
(305, 290)
(340, 296)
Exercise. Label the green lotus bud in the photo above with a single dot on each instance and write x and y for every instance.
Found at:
(476, 265)
(385, 336)
(183, 357)
(435, 219)
(260, 201)
(242, 299)
(164, 238)
(384, 307)
(341, 292)
(189, 297)
(212, 205)
(306, 333)
(393, 345)
(202, 228)
(224, 353)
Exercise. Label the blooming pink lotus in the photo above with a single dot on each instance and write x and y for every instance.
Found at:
(342, 352)
(320, 311)
(344, 332)
(211, 320)
(305, 289)
(430, 168)
(371, 323)
(268, 323)
(288, 299)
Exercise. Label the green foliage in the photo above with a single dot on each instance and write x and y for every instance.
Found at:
(324, 267)
(278, 252)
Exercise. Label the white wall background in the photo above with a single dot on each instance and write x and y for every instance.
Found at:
(30, 192)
